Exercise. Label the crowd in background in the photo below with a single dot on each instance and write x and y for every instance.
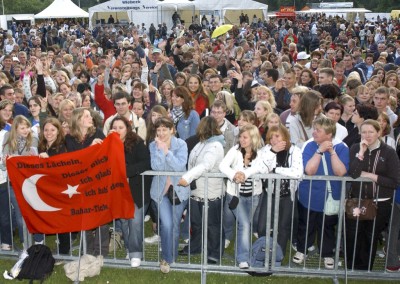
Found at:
(314, 96)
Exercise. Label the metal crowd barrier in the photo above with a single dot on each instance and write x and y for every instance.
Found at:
(312, 266)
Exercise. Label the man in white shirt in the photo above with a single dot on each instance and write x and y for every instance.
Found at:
(122, 102)
(218, 111)
(381, 102)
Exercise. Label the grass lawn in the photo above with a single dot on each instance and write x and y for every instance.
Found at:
(120, 275)
(128, 275)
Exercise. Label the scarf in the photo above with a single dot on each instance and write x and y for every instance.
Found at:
(177, 113)
(21, 143)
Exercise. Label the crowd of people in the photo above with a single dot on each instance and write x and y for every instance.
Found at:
(315, 96)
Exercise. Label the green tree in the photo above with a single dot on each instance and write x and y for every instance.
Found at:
(25, 6)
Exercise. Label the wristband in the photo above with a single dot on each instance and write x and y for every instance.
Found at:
(319, 152)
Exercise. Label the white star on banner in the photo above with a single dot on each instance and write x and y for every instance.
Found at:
(71, 190)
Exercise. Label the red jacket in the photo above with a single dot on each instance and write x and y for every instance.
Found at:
(200, 104)
(106, 106)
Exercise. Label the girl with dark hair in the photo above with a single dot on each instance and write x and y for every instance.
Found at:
(180, 79)
(361, 113)
(184, 117)
(38, 109)
(168, 153)
(137, 161)
(307, 78)
(51, 143)
(199, 97)
(380, 72)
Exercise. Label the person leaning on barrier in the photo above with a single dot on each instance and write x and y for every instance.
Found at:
(137, 161)
(323, 148)
(362, 236)
(285, 159)
(51, 143)
(243, 193)
(83, 135)
(168, 153)
(205, 157)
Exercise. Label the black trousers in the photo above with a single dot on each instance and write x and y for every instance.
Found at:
(361, 241)
(310, 225)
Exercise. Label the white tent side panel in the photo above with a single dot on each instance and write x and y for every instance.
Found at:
(139, 11)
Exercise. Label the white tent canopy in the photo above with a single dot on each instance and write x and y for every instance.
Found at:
(62, 9)
(153, 11)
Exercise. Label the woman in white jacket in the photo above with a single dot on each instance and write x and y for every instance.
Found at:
(243, 194)
(205, 157)
(280, 157)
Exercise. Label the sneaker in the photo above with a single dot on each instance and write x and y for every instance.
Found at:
(298, 258)
(147, 218)
(164, 266)
(135, 262)
(227, 243)
(255, 235)
(243, 265)
(392, 268)
(311, 248)
(5, 247)
(211, 261)
(294, 246)
(329, 262)
(186, 241)
(58, 262)
(152, 240)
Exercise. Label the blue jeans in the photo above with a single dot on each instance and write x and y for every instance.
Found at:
(18, 215)
(228, 221)
(5, 221)
(132, 231)
(170, 220)
(393, 240)
(244, 213)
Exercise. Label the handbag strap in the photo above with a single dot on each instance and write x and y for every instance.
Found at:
(328, 183)
(302, 128)
(373, 171)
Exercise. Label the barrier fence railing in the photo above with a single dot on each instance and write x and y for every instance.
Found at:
(271, 210)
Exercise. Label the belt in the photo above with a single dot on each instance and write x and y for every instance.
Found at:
(199, 199)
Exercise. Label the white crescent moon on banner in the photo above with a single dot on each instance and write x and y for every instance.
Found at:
(31, 195)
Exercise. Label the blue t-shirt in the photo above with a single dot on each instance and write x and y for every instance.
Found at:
(318, 187)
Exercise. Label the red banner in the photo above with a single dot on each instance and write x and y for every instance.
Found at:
(74, 191)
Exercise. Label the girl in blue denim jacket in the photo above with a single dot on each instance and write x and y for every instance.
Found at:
(168, 154)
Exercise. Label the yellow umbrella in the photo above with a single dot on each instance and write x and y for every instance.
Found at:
(221, 30)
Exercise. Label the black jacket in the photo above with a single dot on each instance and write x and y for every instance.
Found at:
(74, 145)
(387, 169)
(137, 161)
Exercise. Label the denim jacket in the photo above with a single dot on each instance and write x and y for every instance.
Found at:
(174, 161)
(186, 127)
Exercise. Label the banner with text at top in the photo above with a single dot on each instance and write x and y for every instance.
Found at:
(74, 191)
